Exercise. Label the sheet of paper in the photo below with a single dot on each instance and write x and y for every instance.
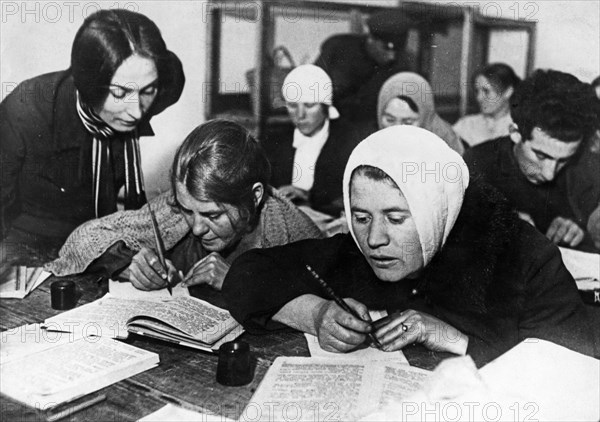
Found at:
(171, 412)
(581, 265)
(27, 339)
(561, 385)
(369, 353)
(30, 278)
(366, 353)
(70, 370)
(315, 389)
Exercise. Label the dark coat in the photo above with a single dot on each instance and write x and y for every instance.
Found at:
(326, 193)
(46, 158)
(573, 194)
(356, 77)
(496, 279)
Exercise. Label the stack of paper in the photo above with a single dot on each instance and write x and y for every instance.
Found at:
(45, 370)
(21, 280)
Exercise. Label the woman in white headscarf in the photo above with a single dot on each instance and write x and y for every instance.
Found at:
(446, 257)
(308, 161)
(407, 99)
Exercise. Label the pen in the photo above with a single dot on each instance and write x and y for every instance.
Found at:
(76, 408)
(160, 246)
(340, 302)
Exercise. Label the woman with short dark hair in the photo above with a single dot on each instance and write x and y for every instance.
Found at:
(70, 139)
(494, 87)
(220, 205)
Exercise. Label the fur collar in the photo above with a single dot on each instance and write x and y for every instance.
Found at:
(468, 272)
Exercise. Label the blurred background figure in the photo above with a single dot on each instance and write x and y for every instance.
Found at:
(494, 86)
(407, 99)
(545, 166)
(359, 64)
(70, 139)
(308, 161)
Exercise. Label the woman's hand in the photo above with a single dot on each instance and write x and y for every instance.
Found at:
(399, 330)
(146, 272)
(210, 270)
(293, 193)
(339, 331)
(565, 231)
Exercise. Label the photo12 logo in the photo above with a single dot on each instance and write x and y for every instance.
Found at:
(53, 12)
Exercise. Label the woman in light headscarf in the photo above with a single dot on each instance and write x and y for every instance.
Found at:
(407, 99)
(446, 256)
(308, 161)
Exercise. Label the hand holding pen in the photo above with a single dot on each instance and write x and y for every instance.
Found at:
(147, 273)
(346, 333)
(150, 270)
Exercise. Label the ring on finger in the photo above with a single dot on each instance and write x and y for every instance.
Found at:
(404, 327)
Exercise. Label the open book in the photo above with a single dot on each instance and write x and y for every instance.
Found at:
(187, 321)
(315, 389)
(45, 371)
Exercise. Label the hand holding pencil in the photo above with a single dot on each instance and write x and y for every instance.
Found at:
(342, 324)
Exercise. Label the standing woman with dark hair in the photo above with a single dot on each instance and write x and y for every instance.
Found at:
(220, 206)
(494, 86)
(70, 139)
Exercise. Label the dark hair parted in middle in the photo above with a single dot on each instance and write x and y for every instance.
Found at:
(106, 39)
(500, 75)
(220, 162)
(556, 102)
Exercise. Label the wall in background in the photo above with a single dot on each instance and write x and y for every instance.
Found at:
(36, 37)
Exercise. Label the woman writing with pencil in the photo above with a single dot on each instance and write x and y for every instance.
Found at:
(447, 257)
(220, 206)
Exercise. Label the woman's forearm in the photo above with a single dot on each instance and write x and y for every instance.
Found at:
(301, 313)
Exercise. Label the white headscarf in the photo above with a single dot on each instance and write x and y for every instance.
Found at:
(432, 177)
(309, 84)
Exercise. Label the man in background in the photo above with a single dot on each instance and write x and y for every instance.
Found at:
(545, 166)
(359, 64)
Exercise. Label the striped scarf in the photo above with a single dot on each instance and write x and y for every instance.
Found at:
(103, 189)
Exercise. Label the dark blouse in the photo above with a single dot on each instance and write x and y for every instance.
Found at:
(498, 281)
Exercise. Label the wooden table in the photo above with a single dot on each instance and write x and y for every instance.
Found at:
(185, 377)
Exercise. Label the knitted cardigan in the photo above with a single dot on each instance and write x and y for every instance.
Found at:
(280, 222)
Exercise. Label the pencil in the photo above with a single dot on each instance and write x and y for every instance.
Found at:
(160, 246)
(342, 304)
(76, 408)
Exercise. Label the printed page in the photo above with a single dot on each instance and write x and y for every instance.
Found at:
(105, 317)
(72, 369)
(198, 319)
(108, 317)
(15, 343)
(315, 389)
(125, 290)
